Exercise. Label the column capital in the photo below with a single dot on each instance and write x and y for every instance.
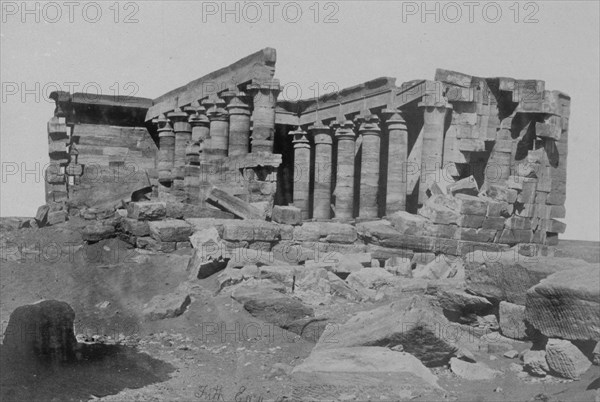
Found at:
(299, 138)
(164, 126)
(369, 125)
(177, 116)
(392, 116)
(197, 116)
(237, 102)
(321, 133)
(344, 130)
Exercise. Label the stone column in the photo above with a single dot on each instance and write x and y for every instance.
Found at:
(219, 129)
(369, 176)
(323, 154)
(239, 123)
(397, 159)
(199, 122)
(191, 182)
(166, 151)
(344, 187)
(263, 116)
(301, 171)
(183, 136)
(434, 117)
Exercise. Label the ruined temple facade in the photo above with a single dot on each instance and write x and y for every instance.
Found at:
(467, 159)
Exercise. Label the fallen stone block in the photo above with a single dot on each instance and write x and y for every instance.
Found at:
(99, 230)
(476, 235)
(439, 268)
(147, 210)
(472, 371)
(270, 305)
(373, 369)
(505, 275)
(407, 223)
(413, 323)
(567, 303)
(43, 330)
(461, 304)
(512, 320)
(339, 287)
(439, 213)
(250, 230)
(534, 362)
(170, 230)
(332, 232)
(289, 215)
(168, 306)
(565, 359)
(399, 266)
(134, 227)
(230, 203)
(57, 217)
(42, 215)
(203, 238)
(151, 244)
(368, 278)
(468, 186)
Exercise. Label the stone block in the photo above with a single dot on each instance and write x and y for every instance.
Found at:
(476, 235)
(171, 230)
(496, 223)
(289, 215)
(567, 303)
(407, 223)
(565, 359)
(512, 320)
(56, 217)
(472, 221)
(147, 210)
(534, 362)
(134, 227)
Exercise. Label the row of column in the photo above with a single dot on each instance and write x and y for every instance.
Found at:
(220, 127)
(368, 145)
(342, 199)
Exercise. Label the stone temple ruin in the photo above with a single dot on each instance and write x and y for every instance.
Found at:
(456, 164)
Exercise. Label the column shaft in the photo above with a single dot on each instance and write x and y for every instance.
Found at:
(397, 159)
(369, 177)
(344, 187)
(434, 117)
(263, 115)
(239, 123)
(322, 188)
(301, 191)
(166, 152)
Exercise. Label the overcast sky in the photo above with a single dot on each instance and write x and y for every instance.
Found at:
(146, 48)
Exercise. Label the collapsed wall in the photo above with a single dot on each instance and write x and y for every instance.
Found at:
(459, 161)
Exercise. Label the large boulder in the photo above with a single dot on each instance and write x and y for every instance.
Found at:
(507, 276)
(414, 323)
(567, 304)
(566, 359)
(376, 369)
(42, 329)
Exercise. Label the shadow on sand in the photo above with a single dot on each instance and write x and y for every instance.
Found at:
(99, 370)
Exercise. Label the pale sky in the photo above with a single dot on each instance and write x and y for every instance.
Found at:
(167, 44)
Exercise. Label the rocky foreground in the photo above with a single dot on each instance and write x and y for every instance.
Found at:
(209, 321)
